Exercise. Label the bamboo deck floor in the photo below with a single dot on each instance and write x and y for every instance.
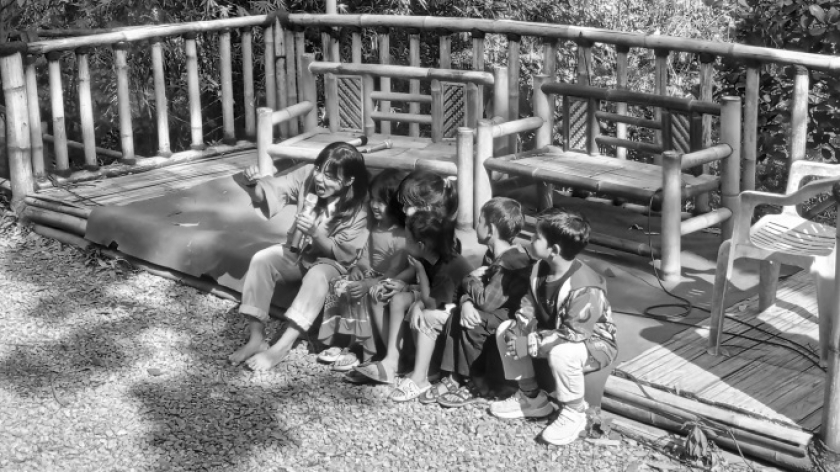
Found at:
(759, 379)
(154, 183)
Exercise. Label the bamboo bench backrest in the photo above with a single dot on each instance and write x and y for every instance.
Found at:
(679, 127)
(452, 104)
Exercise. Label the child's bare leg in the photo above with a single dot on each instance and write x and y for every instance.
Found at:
(275, 354)
(396, 313)
(254, 345)
(425, 349)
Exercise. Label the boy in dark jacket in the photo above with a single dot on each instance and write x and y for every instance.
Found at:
(566, 318)
(490, 295)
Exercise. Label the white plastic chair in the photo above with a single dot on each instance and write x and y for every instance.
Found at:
(786, 238)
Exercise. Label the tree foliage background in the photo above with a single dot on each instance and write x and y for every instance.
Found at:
(808, 25)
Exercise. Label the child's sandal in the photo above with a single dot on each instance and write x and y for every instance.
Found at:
(466, 395)
(407, 391)
(330, 355)
(345, 362)
(433, 394)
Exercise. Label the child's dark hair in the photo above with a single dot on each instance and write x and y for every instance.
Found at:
(343, 161)
(384, 187)
(506, 215)
(434, 231)
(429, 191)
(565, 228)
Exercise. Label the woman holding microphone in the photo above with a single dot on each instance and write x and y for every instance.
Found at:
(329, 230)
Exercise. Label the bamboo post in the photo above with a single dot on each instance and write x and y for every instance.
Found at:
(437, 111)
(196, 131)
(483, 151)
(730, 133)
(670, 266)
(750, 126)
(62, 159)
(466, 217)
(500, 106)
(593, 128)
(478, 64)
(226, 69)
(367, 109)
(18, 142)
(513, 88)
(33, 104)
(161, 107)
(549, 66)
(356, 44)
(265, 137)
(310, 94)
(270, 72)
(707, 78)
(330, 8)
(544, 108)
(300, 50)
(280, 68)
(445, 43)
(385, 82)
(414, 85)
(621, 107)
(124, 102)
(334, 47)
(660, 87)
(247, 40)
(86, 108)
(291, 76)
(830, 429)
(799, 116)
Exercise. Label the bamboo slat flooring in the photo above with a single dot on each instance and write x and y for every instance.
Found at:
(153, 183)
(758, 378)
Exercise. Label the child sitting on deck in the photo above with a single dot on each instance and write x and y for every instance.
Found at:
(566, 318)
(348, 309)
(430, 243)
(490, 295)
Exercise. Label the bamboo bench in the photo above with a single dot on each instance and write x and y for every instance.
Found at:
(587, 169)
(453, 100)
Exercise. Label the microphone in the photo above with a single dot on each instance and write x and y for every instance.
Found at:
(297, 241)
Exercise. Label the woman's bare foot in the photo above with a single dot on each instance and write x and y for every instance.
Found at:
(254, 344)
(266, 360)
(247, 351)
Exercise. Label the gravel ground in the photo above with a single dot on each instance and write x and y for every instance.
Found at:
(106, 368)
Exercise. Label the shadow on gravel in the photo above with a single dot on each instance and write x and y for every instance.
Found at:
(171, 368)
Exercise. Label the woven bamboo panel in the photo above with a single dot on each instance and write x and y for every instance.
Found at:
(577, 124)
(350, 103)
(454, 108)
(680, 133)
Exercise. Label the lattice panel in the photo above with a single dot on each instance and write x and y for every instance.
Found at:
(350, 103)
(454, 108)
(680, 133)
(577, 124)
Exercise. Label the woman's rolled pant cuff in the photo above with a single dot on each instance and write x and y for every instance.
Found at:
(254, 312)
(303, 322)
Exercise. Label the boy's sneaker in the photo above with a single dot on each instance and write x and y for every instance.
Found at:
(522, 406)
(566, 428)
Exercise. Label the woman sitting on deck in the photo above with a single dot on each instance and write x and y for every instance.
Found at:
(332, 234)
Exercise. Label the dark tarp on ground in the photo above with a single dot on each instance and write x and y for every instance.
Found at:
(213, 229)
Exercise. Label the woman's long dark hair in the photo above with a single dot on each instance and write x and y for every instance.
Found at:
(345, 162)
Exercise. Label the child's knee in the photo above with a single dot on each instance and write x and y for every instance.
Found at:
(569, 358)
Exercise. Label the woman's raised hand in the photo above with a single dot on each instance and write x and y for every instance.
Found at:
(252, 174)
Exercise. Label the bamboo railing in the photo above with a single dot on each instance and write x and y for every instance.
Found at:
(18, 60)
